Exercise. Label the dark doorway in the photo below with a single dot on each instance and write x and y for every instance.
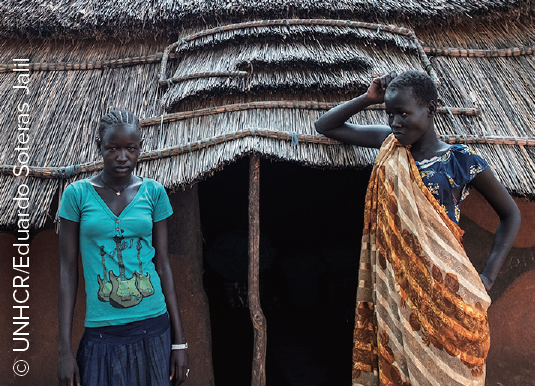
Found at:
(311, 222)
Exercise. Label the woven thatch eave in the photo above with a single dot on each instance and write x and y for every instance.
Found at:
(192, 166)
(139, 18)
(291, 34)
(295, 79)
(325, 49)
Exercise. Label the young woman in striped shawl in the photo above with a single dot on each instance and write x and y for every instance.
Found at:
(421, 313)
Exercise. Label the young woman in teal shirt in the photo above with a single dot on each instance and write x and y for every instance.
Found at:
(117, 221)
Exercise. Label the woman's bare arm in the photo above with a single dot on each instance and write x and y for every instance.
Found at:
(179, 358)
(510, 219)
(68, 374)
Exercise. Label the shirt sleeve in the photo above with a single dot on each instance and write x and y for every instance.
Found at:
(162, 208)
(466, 164)
(70, 204)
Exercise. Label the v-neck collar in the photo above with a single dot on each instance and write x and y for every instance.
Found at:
(105, 205)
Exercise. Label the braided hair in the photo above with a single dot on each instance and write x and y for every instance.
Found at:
(116, 117)
(422, 86)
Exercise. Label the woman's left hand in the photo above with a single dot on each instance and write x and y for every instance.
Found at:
(178, 366)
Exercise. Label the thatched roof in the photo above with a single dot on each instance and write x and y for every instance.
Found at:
(140, 18)
(215, 110)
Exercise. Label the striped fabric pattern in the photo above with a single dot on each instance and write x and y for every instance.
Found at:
(421, 307)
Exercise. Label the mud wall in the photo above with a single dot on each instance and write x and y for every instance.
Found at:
(511, 315)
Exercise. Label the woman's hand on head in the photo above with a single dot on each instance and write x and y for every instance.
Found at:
(178, 366)
(376, 90)
(68, 373)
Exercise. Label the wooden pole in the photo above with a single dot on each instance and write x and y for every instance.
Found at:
(258, 369)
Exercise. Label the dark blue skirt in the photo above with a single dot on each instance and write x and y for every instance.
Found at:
(137, 353)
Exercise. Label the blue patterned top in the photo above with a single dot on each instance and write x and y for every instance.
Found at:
(455, 168)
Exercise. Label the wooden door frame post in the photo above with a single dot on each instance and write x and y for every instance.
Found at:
(258, 369)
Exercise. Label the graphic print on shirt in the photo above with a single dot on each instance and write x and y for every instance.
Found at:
(143, 282)
(119, 290)
(105, 286)
(124, 294)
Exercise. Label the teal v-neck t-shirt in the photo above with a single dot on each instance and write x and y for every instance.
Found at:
(122, 284)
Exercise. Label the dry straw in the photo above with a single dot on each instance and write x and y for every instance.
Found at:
(131, 20)
(316, 66)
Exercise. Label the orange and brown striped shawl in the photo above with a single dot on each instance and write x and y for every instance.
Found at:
(421, 307)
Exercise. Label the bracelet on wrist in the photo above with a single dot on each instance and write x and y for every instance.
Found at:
(179, 346)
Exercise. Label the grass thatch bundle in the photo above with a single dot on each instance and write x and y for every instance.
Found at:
(509, 32)
(286, 32)
(308, 66)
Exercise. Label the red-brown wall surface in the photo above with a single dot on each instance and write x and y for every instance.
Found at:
(511, 315)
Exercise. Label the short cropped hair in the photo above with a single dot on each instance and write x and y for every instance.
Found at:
(116, 117)
(423, 87)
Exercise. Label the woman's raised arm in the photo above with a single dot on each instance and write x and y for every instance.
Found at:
(333, 123)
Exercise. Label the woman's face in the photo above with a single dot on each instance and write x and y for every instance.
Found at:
(120, 148)
(409, 118)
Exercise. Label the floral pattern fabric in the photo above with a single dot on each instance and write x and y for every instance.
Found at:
(454, 169)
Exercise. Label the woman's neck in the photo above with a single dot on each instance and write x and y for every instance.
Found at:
(115, 181)
(428, 146)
